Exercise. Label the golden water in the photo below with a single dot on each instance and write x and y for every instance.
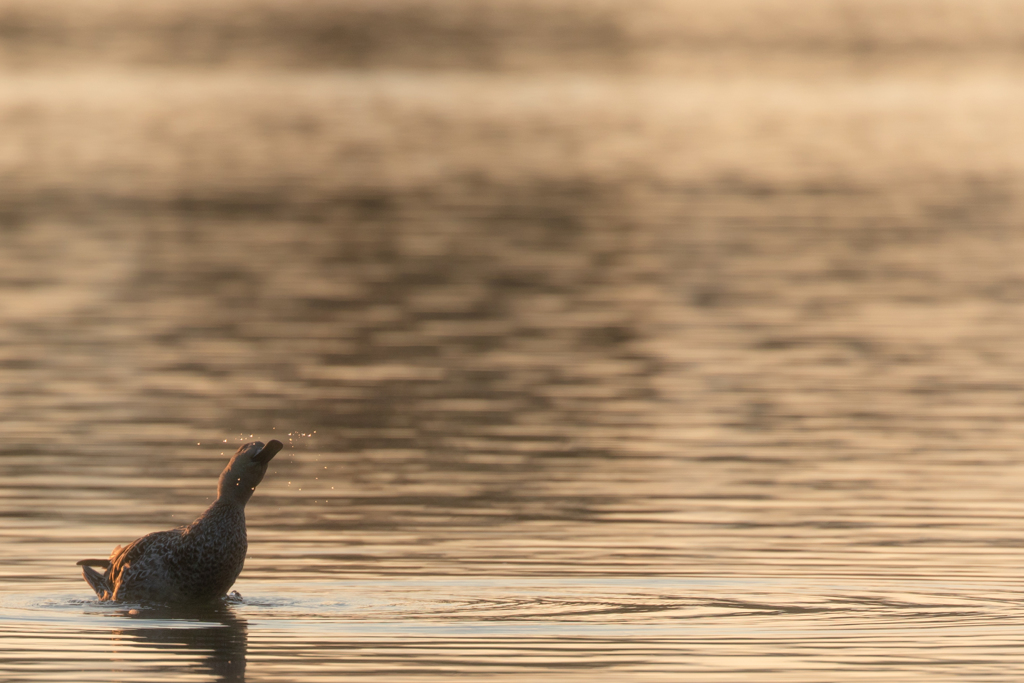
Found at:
(686, 348)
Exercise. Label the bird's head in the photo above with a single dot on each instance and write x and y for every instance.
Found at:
(246, 470)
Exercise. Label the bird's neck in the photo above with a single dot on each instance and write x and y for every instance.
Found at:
(222, 511)
(231, 490)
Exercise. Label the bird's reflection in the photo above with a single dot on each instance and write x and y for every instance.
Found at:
(213, 633)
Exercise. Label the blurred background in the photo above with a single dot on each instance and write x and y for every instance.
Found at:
(673, 312)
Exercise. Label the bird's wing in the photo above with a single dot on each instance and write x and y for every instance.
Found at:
(122, 558)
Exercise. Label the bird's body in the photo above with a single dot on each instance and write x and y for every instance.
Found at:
(195, 563)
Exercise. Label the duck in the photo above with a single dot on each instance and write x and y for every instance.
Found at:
(197, 563)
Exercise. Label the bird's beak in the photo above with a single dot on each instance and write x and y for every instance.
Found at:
(268, 452)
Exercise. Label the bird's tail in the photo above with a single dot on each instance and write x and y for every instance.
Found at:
(98, 582)
(94, 563)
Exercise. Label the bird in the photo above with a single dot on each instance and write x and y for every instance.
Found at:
(197, 563)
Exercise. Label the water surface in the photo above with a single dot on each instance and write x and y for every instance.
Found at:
(619, 366)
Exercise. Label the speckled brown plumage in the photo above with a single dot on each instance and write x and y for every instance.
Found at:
(194, 563)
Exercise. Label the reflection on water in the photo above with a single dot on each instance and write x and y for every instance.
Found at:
(222, 644)
(692, 356)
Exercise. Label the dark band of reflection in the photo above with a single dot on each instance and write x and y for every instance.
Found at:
(213, 632)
